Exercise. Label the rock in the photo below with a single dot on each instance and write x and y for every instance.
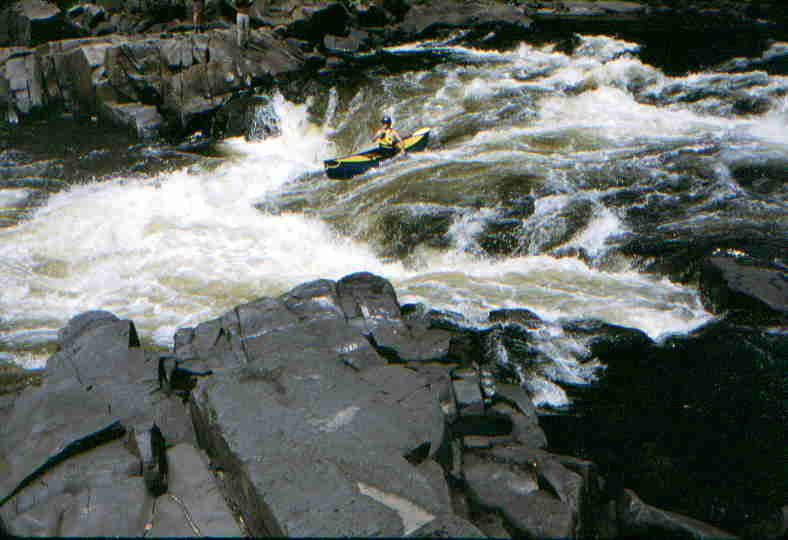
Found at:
(91, 483)
(468, 393)
(31, 22)
(404, 228)
(143, 120)
(424, 20)
(525, 430)
(448, 526)
(751, 290)
(354, 42)
(317, 19)
(313, 432)
(522, 316)
(636, 517)
(309, 448)
(424, 326)
(761, 172)
(553, 229)
(527, 509)
(24, 83)
(575, 482)
(439, 380)
(370, 304)
(87, 16)
(192, 489)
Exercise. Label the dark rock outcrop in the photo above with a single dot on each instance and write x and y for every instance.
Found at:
(308, 429)
(87, 477)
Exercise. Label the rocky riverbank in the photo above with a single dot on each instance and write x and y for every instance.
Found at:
(141, 66)
(331, 410)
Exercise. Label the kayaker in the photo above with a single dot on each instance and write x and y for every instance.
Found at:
(387, 138)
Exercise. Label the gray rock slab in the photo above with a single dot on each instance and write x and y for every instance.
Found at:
(448, 526)
(496, 485)
(524, 429)
(72, 498)
(305, 439)
(99, 376)
(541, 515)
(193, 505)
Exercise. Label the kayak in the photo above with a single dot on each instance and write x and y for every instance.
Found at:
(346, 167)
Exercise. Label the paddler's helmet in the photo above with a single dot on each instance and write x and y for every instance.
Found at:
(387, 120)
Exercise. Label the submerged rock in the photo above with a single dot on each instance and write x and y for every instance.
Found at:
(751, 290)
(636, 518)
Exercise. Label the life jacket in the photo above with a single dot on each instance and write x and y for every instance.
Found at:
(387, 138)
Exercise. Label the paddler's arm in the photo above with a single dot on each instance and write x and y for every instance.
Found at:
(398, 141)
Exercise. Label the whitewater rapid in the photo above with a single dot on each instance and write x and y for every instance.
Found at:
(182, 247)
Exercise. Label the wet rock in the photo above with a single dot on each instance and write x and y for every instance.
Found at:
(522, 316)
(636, 517)
(608, 342)
(404, 228)
(679, 254)
(751, 290)
(763, 173)
(556, 228)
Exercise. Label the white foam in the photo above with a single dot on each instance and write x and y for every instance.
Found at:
(12, 197)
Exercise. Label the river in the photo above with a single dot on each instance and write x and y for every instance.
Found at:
(540, 165)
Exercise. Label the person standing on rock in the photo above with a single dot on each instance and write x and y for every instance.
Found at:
(242, 8)
(198, 7)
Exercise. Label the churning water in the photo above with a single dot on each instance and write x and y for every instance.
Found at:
(567, 133)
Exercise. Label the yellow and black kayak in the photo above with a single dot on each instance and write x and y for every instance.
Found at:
(346, 167)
